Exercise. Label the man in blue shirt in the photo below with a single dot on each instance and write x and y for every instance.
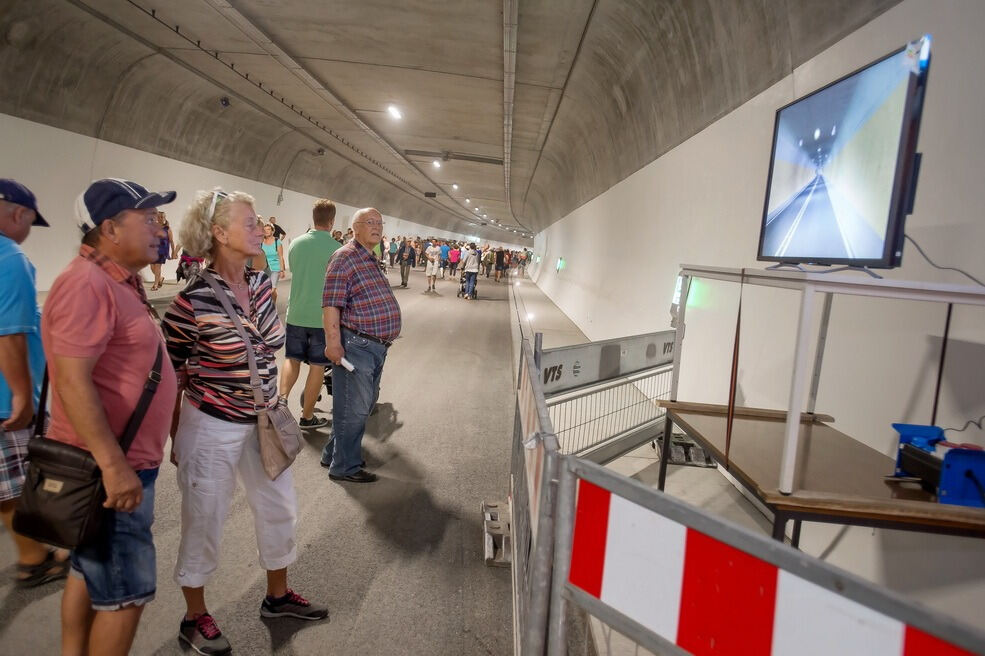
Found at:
(21, 372)
(444, 257)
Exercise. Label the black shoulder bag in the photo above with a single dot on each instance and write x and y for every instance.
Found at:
(63, 496)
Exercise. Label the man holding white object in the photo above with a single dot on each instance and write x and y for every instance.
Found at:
(361, 319)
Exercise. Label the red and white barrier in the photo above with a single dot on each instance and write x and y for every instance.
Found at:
(711, 598)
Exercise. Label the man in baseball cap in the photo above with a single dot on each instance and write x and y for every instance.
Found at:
(21, 372)
(16, 193)
(106, 198)
(101, 341)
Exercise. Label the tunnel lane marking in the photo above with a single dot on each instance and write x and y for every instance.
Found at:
(785, 244)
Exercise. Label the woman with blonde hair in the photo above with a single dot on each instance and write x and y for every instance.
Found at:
(214, 432)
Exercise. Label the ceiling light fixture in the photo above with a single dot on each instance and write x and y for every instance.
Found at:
(454, 186)
(394, 112)
(436, 164)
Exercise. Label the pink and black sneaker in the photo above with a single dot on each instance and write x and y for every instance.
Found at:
(292, 605)
(203, 635)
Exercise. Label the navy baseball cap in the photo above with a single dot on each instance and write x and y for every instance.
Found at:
(14, 192)
(106, 198)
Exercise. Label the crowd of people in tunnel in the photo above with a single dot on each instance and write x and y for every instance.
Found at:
(124, 379)
(442, 259)
(439, 258)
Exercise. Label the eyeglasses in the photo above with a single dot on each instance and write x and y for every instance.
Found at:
(369, 223)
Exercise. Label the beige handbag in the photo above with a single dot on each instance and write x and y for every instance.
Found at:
(277, 429)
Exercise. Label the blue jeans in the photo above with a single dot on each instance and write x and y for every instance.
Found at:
(353, 397)
(470, 283)
(120, 566)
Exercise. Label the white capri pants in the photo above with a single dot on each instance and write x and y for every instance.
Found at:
(210, 453)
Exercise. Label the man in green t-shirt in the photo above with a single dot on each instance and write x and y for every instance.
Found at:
(308, 260)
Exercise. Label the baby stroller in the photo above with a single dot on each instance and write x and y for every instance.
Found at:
(188, 266)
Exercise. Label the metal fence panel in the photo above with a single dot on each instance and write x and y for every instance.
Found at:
(591, 417)
(570, 367)
(880, 615)
(533, 476)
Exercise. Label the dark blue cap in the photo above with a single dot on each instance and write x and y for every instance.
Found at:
(106, 198)
(14, 192)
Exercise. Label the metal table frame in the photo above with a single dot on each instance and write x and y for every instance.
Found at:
(782, 515)
(809, 284)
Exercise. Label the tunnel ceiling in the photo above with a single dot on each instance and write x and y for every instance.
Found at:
(256, 87)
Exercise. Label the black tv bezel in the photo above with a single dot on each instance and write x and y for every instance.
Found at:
(904, 182)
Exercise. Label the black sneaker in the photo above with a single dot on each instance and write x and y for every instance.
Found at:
(292, 605)
(202, 635)
(361, 476)
(314, 422)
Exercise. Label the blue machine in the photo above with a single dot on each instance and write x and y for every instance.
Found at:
(958, 478)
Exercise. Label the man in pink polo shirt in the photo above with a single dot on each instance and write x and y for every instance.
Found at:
(101, 339)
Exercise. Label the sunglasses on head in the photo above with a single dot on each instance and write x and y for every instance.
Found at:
(216, 195)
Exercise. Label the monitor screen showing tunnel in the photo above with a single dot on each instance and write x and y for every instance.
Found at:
(842, 171)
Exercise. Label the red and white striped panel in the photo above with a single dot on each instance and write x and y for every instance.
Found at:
(710, 598)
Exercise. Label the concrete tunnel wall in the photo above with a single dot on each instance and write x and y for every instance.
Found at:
(651, 74)
(65, 69)
(702, 203)
(57, 165)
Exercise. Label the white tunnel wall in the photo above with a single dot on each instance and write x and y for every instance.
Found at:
(57, 165)
(702, 203)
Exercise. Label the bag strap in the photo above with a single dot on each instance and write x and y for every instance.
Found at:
(258, 401)
(146, 396)
(137, 418)
(42, 403)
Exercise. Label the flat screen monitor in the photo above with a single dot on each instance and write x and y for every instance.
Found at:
(843, 167)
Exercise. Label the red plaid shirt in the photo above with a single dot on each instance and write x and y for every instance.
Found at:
(355, 285)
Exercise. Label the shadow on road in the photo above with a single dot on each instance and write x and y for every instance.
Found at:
(399, 507)
(18, 599)
(383, 422)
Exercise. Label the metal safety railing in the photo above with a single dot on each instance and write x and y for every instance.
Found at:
(592, 547)
(588, 418)
(533, 476)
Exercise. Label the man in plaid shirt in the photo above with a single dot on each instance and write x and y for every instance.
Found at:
(361, 318)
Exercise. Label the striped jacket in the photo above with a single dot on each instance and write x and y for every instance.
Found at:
(209, 354)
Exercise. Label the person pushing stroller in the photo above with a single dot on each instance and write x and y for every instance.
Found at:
(470, 271)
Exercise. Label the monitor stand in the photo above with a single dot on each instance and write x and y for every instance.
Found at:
(798, 267)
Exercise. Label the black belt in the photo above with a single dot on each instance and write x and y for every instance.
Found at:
(372, 338)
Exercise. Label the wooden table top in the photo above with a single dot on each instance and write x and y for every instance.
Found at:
(836, 474)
